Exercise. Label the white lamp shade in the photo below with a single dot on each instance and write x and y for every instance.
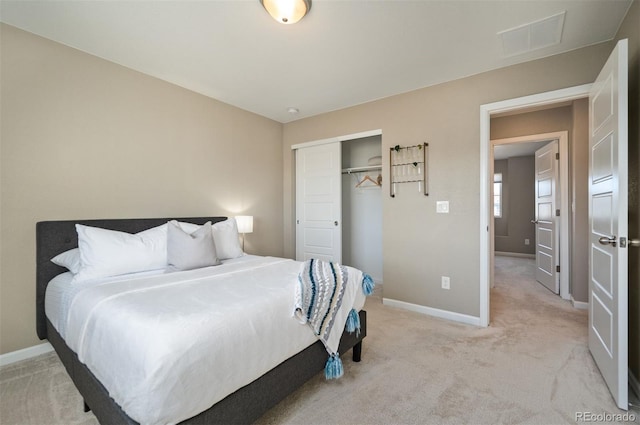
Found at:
(245, 223)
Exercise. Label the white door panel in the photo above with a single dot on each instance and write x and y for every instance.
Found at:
(547, 223)
(602, 159)
(608, 286)
(602, 319)
(545, 238)
(545, 187)
(318, 239)
(318, 202)
(317, 186)
(317, 212)
(545, 211)
(602, 270)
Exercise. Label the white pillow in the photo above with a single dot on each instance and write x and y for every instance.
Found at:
(69, 259)
(225, 236)
(187, 251)
(188, 227)
(110, 253)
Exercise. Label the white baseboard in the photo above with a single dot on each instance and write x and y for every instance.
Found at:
(430, 311)
(579, 304)
(514, 254)
(25, 353)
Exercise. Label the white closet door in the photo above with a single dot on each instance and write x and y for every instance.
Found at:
(319, 202)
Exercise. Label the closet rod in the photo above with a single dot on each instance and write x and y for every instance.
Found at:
(361, 169)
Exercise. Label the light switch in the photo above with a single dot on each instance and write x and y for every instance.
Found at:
(442, 207)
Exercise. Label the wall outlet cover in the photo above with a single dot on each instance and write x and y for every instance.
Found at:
(442, 207)
(446, 282)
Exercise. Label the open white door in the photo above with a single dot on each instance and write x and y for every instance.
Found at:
(547, 216)
(608, 289)
(319, 202)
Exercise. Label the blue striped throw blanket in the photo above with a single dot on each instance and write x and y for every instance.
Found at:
(321, 303)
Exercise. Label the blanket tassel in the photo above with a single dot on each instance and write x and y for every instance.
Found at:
(367, 284)
(353, 322)
(333, 369)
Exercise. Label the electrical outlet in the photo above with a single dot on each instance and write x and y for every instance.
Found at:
(526, 241)
(446, 282)
(442, 207)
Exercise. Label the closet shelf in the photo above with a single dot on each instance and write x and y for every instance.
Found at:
(361, 169)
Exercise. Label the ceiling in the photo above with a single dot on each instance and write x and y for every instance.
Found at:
(343, 53)
(517, 149)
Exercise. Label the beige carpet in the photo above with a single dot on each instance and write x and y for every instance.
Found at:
(531, 366)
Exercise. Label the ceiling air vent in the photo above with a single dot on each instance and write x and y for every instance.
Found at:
(532, 36)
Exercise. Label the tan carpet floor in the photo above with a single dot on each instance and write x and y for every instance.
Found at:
(531, 366)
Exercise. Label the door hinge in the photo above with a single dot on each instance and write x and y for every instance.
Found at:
(558, 269)
(557, 213)
(557, 155)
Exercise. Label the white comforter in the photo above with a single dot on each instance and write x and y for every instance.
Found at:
(167, 347)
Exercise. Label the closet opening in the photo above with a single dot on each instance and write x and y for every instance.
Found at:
(362, 205)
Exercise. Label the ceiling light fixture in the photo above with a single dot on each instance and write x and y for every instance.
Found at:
(287, 11)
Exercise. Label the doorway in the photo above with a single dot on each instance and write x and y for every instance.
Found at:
(524, 149)
(362, 205)
(486, 176)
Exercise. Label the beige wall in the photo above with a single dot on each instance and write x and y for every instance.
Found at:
(537, 122)
(85, 138)
(419, 245)
(630, 29)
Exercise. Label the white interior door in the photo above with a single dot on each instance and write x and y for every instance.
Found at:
(608, 290)
(319, 202)
(547, 193)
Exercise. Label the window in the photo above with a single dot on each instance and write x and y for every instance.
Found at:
(497, 195)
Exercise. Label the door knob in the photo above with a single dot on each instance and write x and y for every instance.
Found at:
(634, 242)
(534, 221)
(607, 240)
(335, 223)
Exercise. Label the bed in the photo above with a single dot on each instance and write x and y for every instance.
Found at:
(244, 405)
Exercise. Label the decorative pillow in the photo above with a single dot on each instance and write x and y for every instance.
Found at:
(225, 236)
(69, 259)
(187, 251)
(106, 253)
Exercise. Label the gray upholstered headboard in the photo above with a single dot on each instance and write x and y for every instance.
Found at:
(54, 237)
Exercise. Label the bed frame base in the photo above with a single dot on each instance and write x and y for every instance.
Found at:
(244, 406)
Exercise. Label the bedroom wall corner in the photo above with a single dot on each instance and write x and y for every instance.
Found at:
(82, 138)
